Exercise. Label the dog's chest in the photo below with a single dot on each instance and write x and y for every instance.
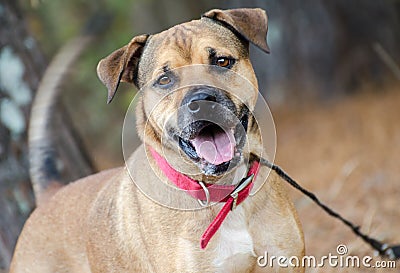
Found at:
(235, 245)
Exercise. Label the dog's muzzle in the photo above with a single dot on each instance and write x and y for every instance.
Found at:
(210, 131)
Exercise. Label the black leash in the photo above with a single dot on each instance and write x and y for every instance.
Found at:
(391, 252)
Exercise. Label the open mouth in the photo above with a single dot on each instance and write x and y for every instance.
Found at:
(214, 148)
(214, 145)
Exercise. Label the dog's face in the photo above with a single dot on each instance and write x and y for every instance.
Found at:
(203, 121)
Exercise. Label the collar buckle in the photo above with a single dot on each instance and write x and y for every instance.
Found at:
(241, 186)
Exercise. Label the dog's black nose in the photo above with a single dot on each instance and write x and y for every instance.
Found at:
(199, 95)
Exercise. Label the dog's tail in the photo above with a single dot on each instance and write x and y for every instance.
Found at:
(44, 173)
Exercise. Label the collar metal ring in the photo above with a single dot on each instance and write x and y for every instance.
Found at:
(207, 193)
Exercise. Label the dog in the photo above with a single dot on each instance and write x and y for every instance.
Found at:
(106, 223)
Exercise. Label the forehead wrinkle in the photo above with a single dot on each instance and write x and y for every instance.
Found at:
(182, 42)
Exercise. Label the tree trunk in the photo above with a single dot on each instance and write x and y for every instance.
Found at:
(21, 67)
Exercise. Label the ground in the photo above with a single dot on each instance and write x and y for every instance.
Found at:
(347, 152)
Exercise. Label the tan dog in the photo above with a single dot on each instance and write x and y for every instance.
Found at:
(104, 223)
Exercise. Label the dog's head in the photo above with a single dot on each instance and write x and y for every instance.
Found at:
(203, 121)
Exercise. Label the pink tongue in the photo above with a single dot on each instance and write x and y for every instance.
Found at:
(216, 147)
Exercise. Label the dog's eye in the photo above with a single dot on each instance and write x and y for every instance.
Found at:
(224, 62)
(164, 80)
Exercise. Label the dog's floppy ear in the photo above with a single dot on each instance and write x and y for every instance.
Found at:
(121, 65)
(252, 24)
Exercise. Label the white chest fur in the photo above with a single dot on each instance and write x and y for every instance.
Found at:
(235, 245)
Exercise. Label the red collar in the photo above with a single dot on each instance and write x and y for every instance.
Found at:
(231, 195)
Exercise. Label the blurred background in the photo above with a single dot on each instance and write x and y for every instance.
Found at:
(332, 81)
